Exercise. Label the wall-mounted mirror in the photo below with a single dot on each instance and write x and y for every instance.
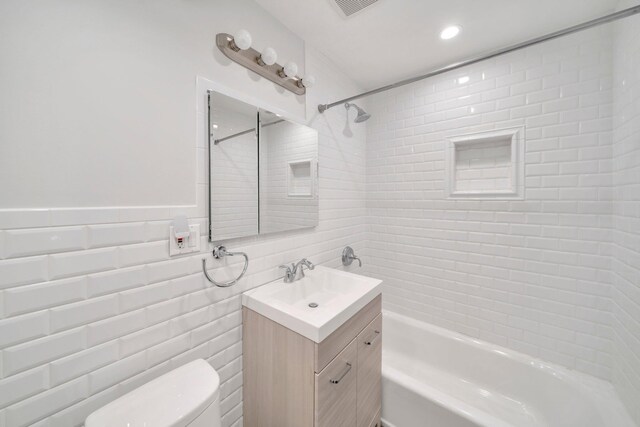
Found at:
(263, 171)
(288, 174)
(233, 168)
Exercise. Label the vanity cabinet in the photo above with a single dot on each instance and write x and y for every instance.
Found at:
(292, 381)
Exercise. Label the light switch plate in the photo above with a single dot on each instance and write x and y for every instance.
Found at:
(192, 245)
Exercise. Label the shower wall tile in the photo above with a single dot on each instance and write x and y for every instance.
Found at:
(626, 214)
(533, 275)
(91, 305)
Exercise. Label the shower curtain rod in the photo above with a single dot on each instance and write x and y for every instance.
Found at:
(570, 30)
(244, 132)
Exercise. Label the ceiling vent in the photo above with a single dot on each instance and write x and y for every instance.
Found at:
(351, 7)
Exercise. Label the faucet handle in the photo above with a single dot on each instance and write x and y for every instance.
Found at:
(348, 256)
(306, 263)
(301, 265)
(286, 267)
(288, 274)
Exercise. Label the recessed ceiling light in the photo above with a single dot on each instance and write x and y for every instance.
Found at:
(450, 32)
(215, 126)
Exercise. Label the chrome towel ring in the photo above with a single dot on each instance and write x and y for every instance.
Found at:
(220, 252)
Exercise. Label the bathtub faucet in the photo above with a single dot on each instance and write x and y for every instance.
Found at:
(348, 256)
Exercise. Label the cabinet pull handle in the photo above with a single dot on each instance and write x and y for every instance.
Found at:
(346, 371)
(375, 337)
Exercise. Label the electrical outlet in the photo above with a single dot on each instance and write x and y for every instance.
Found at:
(185, 245)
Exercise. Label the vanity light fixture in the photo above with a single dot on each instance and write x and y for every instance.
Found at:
(241, 41)
(238, 49)
(307, 81)
(450, 32)
(290, 69)
(268, 57)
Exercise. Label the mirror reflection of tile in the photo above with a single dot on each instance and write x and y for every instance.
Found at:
(260, 181)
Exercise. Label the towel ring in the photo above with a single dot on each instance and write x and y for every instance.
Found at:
(220, 252)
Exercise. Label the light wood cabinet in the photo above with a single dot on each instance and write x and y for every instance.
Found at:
(369, 394)
(336, 390)
(291, 381)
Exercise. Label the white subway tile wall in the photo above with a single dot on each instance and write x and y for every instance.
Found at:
(234, 165)
(626, 214)
(88, 312)
(532, 275)
(281, 145)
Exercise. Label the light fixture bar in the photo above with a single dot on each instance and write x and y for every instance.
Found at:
(249, 58)
(473, 60)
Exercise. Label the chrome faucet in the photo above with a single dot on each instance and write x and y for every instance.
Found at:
(300, 265)
(295, 271)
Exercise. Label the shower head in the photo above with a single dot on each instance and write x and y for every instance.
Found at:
(362, 115)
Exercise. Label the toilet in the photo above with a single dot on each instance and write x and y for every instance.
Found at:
(186, 396)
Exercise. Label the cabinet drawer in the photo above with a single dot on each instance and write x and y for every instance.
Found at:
(369, 372)
(336, 390)
(334, 343)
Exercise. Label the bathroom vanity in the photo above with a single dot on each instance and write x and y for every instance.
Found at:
(307, 366)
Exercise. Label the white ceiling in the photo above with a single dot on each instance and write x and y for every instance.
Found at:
(397, 39)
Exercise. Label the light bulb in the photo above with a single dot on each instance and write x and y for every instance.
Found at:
(242, 39)
(308, 80)
(290, 69)
(450, 32)
(268, 56)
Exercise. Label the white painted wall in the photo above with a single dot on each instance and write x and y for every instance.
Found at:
(626, 213)
(532, 275)
(91, 306)
(98, 96)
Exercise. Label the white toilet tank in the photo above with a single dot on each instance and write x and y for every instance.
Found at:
(186, 396)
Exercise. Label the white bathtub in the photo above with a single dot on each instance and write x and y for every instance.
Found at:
(435, 377)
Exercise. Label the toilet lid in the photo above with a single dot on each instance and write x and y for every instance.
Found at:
(172, 400)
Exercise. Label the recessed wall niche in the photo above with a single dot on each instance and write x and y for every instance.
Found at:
(486, 165)
(300, 179)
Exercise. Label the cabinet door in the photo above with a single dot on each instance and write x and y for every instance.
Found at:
(375, 422)
(369, 372)
(336, 390)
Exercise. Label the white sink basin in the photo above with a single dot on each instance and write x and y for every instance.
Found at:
(339, 296)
